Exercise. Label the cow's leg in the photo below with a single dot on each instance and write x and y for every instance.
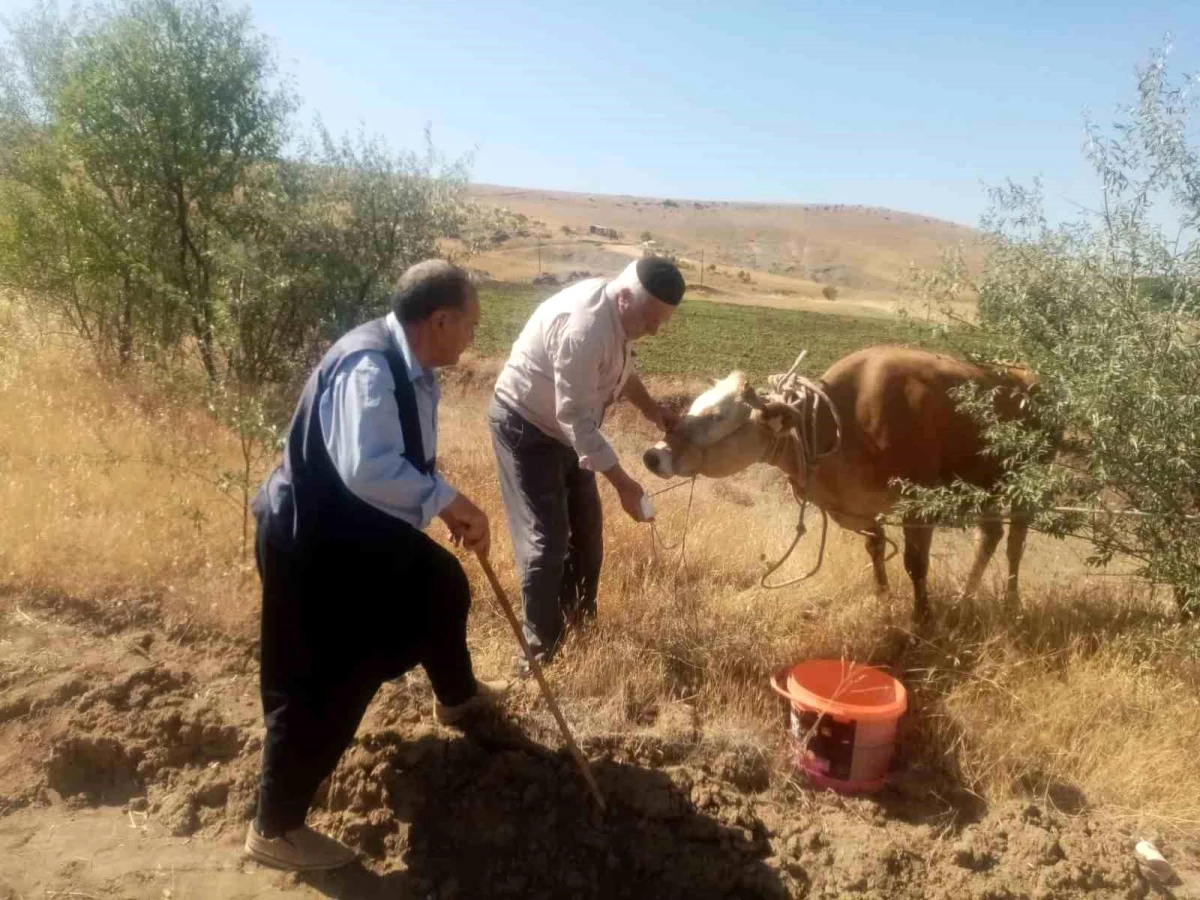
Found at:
(1017, 531)
(917, 540)
(877, 550)
(987, 539)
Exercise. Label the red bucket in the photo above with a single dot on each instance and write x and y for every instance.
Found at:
(843, 721)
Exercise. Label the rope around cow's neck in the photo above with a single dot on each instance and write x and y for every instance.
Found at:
(804, 397)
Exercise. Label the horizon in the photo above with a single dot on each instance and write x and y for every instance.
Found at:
(683, 198)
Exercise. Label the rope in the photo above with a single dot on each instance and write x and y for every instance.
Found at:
(804, 397)
(672, 487)
(801, 529)
(656, 538)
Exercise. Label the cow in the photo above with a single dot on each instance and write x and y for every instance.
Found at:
(898, 420)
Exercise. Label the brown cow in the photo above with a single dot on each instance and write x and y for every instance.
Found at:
(898, 421)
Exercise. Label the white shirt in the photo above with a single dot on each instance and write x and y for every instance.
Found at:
(570, 362)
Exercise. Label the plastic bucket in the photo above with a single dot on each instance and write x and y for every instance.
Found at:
(843, 721)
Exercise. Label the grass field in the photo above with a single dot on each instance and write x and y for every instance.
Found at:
(711, 339)
(111, 494)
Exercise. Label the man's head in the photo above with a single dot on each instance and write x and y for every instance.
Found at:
(647, 293)
(439, 308)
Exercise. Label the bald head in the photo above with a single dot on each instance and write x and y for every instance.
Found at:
(429, 286)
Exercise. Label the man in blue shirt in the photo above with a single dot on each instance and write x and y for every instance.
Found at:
(354, 593)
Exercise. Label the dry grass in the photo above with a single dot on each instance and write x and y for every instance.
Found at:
(1088, 695)
(109, 489)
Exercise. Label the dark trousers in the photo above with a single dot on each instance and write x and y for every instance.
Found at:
(556, 524)
(338, 620)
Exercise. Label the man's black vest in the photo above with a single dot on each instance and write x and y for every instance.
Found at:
(304, 501)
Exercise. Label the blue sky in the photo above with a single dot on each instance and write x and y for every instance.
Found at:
(911, 105)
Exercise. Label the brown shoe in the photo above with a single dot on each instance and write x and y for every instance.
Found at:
(299, 850)
(488, 696)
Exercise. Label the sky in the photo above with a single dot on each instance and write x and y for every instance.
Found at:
(911, 105)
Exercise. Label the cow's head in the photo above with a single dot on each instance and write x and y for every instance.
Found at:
(728, 428)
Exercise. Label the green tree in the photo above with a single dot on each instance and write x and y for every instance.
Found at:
(147, 199)
(171, 99)
(1104, 310)
(129, 135)
(64, 240)
(380, 212)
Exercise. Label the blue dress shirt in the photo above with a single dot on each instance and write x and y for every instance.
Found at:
(361, 426)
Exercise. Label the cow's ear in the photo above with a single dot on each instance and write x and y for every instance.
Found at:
(777, 416)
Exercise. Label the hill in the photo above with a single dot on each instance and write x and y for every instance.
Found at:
(783, 255)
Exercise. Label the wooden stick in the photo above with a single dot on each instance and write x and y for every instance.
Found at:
(536, 669)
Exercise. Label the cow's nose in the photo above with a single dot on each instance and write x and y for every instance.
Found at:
(650, 458)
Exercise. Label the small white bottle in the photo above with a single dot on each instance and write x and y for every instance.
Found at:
(1153, 860)
(647, 507)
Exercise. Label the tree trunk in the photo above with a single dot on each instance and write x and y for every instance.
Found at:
(203, 330)
(125, 327)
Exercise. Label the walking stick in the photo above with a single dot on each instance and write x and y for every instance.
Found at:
(536, 669)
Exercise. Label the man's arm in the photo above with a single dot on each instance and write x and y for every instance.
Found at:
(360, 423)
(576, 379)
(659, 415)
(577, 382)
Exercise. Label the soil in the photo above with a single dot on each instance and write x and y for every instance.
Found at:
(129, 748)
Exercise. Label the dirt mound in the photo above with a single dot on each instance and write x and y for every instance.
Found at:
(522, 815)
(96, 767)
(1017, 851)
(168, 736)
(146, 740)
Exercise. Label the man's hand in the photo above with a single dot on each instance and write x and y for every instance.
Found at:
(667, 417)
(468, 524)
(629, 491)
(659, 415)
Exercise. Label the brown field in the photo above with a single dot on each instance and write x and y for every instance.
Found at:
(790, 252)
(1037, 747)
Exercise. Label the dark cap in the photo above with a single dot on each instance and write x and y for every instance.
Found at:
(661, 278)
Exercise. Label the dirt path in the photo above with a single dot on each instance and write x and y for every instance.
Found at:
(129, 750)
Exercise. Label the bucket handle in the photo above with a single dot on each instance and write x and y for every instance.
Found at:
(777, 686)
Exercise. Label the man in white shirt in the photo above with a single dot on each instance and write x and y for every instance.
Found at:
(572, 360)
